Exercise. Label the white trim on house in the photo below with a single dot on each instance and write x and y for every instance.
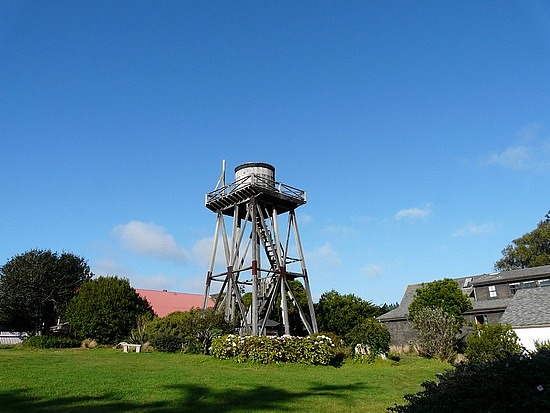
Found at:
(528, 335)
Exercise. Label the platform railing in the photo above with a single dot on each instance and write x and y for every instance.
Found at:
(258, 181)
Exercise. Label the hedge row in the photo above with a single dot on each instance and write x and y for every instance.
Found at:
(317, 349)
(51, 342)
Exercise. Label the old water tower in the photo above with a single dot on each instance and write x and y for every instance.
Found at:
(257, 240)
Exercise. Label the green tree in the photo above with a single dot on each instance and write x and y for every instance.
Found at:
(106, 309)
(444, 294)
(529, 250)
(339, 313)
(36, 286)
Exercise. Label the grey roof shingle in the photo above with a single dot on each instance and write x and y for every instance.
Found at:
(506, 276)
(403, 309)
(529, 307)
(466, 284)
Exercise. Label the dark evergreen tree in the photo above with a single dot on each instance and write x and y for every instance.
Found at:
(36, 286)
(339, 313)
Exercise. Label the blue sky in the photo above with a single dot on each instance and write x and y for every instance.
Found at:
(420, 131)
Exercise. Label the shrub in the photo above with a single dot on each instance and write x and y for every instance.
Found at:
(435, 333)
(490, 343)
(542, 344)
(167, 343)
(515, 383)
(51, 342)
(372, 336)
(306, 350)
(192, 330)
(106, 309)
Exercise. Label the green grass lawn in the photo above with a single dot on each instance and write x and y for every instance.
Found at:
(106, 380)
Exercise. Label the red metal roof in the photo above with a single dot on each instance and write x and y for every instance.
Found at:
(166, 302)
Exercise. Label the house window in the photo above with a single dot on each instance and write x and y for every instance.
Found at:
(544, 283)
(492, 291)
(481, 320)
(529, 284)
(514, 287)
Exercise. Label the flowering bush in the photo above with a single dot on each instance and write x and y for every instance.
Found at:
(317, 349)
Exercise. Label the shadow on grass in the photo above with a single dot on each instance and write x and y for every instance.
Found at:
(192, 398)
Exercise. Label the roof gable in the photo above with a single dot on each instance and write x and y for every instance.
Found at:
(166, 302)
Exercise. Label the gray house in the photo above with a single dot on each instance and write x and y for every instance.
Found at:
(517, 297)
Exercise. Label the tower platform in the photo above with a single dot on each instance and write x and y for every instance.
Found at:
(271, 194)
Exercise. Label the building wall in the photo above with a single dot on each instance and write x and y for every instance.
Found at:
(483, 292)
(506, 288)
(401, 332)
(527, 336)
(489, 318)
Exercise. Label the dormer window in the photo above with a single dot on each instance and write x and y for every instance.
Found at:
(492, 291)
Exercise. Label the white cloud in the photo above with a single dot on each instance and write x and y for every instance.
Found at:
(149, 239)
(154, 282)
(471, 229)
(304, 219)
(363, 219)
(108, 267)
(513, 157)
(202, 252)
(324, 254)
(338, 229)
(414, 213)
(531, 152)
(373, 270)
(197, 285)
